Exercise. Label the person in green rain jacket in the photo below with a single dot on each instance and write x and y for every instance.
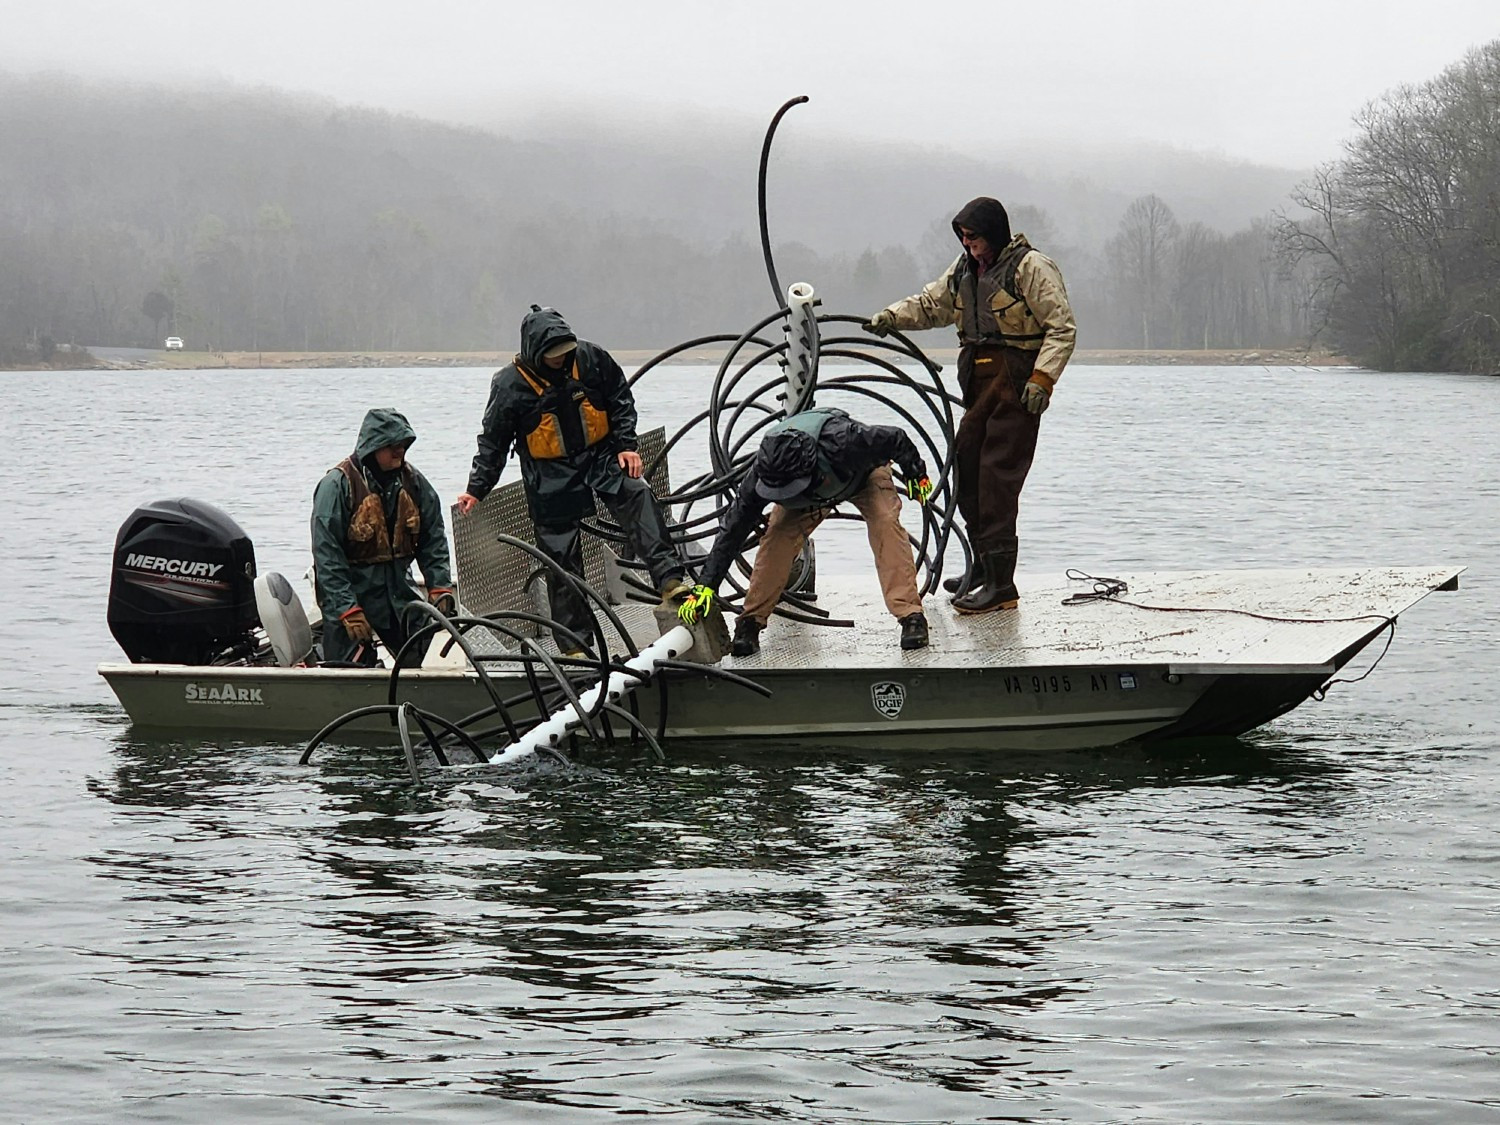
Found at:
(373, 513)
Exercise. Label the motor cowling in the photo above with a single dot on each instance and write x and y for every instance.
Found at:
(182, 590)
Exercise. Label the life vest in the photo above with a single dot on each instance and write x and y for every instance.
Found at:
(964, 283)
(833, 483)
(368, 539)
(547, 439)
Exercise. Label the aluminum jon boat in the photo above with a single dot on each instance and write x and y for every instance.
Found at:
(1172, 655)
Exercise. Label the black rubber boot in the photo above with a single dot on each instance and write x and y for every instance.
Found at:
(746, 637)
(972, 577)
(959, 585)
(914, 630)
(998, 590)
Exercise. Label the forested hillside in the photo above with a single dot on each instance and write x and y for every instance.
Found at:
(245, 219)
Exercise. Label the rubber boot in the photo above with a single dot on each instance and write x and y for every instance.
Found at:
(746, 637)
(914, 630)
(678, 586)
(998, 590)
(970, 578)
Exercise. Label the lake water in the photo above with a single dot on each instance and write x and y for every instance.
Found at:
(1302, 926)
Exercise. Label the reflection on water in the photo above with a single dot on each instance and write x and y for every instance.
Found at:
(786, 851)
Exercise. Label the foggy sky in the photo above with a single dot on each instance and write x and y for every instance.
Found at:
(1273, 81)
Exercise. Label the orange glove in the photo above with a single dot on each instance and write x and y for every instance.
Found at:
(357, 625)
(442, 599)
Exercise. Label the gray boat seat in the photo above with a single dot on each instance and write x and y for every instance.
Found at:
(283, 619)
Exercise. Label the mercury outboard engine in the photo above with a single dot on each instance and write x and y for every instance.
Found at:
(183, 585)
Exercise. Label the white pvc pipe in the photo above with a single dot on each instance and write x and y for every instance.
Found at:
(618, 685)
(802, 339)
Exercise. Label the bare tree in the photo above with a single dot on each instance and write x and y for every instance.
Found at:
(1140, 255)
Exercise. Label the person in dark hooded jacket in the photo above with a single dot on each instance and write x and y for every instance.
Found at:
(565, 406)
(373, 514)
(807, 465)
(1015, 333)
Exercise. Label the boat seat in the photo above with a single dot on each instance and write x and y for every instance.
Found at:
(283, 619)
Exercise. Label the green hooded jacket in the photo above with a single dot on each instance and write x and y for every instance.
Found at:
(380, 589)
(558, 490)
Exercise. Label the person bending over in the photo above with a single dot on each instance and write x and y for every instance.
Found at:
(806, 466)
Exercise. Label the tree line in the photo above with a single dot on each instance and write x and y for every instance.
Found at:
(251, 220)
(1400, 239)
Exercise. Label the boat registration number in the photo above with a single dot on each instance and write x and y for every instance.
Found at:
(1060, 683)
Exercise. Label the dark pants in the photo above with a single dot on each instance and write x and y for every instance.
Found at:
(338, 648)
(640, 517)
(996, 442)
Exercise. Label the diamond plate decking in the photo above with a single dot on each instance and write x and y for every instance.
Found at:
(1191, 622)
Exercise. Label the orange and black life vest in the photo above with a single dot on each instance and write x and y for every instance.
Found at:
(546, 440)
(369, 540)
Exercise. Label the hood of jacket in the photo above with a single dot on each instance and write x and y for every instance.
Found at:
(381, 427)
(539, 331)
(988, 217)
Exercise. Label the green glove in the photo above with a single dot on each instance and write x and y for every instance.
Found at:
(919, 489)
(882, 323)
(696, 605)
(1035, 398)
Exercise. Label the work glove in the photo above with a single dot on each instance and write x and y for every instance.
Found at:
(357, 625)
(919, 488)
(1035, 397)
(882, 323)
(696, 606)
(443, 601)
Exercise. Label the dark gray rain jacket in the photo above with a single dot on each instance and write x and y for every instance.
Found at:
(559, 490)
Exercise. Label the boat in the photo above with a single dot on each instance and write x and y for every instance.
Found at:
(1082, 662)
(1188, 654)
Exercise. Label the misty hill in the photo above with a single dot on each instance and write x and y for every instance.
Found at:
(244, 218)
(842, 196)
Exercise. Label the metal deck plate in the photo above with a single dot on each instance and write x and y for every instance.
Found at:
(1190, 622)
(1197, 622)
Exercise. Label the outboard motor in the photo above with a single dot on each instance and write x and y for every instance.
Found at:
(182, 589)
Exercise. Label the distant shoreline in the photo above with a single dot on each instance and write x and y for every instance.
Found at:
(631, 358)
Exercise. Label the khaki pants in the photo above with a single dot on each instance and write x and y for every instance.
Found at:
(786, 531)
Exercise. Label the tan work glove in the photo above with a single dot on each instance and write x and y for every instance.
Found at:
(1035, 397)
(357, 625)
(882, 323)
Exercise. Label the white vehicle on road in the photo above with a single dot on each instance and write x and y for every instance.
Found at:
(174, 343)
